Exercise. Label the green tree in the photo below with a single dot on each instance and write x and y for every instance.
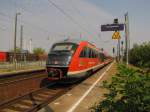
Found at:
(129, 91)
(139, 55)
(38, 51)
(18, 50)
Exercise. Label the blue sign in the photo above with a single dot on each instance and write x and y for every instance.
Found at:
(112, 27)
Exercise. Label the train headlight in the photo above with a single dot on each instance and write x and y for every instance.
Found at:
(68, 60)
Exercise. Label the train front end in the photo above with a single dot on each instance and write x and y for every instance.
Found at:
(59, 59)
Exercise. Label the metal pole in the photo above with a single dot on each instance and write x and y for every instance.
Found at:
(117, 53)
(119, 50)
(122, 53)
(21, 43)
(30, 45)
(15, 34)
(127, 37)
(21, 38)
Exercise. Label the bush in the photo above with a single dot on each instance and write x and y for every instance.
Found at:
(139, 55)
(129, 91)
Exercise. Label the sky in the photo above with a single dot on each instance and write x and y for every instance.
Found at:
(45, 24)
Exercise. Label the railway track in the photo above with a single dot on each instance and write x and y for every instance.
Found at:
(34, 100)
(19, 75)
(28, 92)
(20, 84)
(31, 93)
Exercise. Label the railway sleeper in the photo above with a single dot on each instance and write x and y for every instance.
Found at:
(16, 108)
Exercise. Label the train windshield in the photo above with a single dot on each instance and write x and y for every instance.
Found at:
(61, 54)
(69, 47)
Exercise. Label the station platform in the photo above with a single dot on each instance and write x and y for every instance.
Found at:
(11, 68)
(30, 70)
(82, 97)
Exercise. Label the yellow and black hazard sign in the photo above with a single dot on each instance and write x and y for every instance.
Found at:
(116, 35)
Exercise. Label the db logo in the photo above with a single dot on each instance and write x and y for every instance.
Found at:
(81, 63)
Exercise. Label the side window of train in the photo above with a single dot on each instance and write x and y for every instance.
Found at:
(87, 52)
(90, 53)
(95, 54)
(84, 53)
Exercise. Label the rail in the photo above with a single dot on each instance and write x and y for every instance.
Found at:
(19, 84)
(36, 99)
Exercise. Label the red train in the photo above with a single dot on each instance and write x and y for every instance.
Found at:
(74, 59)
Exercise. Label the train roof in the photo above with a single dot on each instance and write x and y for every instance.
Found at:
(70, 40)
(77, 41)
(74, 40)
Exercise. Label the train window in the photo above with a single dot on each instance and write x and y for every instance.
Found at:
(85, 52)
(93, 54)
(64, 47)
(90, 53)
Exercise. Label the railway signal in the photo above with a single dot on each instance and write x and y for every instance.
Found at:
(116, 21)
(113, 50)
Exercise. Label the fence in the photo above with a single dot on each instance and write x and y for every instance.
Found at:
(22, 65)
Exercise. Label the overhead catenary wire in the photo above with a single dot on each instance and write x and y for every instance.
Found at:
(40, 28)
(68, 16)
(78, 12)
(99, 35)
(10, 19)
(35, 26)
(43, 29)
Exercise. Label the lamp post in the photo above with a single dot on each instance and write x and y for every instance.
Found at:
(122, 51)
(15, 34)
(127, 37)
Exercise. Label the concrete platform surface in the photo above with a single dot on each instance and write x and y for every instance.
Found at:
(84, 95)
